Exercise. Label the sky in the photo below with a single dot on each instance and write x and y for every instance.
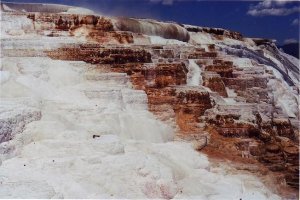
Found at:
(277, 20)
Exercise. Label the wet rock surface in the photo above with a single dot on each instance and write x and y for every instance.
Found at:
(228, 107)
(161, 71)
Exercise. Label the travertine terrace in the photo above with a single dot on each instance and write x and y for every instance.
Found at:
(104, 107)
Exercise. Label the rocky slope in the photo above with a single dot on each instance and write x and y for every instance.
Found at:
(103, 107)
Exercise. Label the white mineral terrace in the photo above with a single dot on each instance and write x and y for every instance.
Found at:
(59, 153)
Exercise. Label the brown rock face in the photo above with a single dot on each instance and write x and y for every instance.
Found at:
(223, 68)
(165, 74)
(190, 105)
(97, 54)
(251, 130)
(105, 37)
(185, 106)
(276, 148)
(217, 31)
(214, 82)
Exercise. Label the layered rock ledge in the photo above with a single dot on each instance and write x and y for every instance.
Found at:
(233, 98)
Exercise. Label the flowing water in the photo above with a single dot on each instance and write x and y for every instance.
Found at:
(194, 77)
(153, 28)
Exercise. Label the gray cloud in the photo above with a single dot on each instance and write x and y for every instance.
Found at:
(295, 22)
(170, 2)
(165, 2)
(290, 41)
(272, 8)
(273, 11)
